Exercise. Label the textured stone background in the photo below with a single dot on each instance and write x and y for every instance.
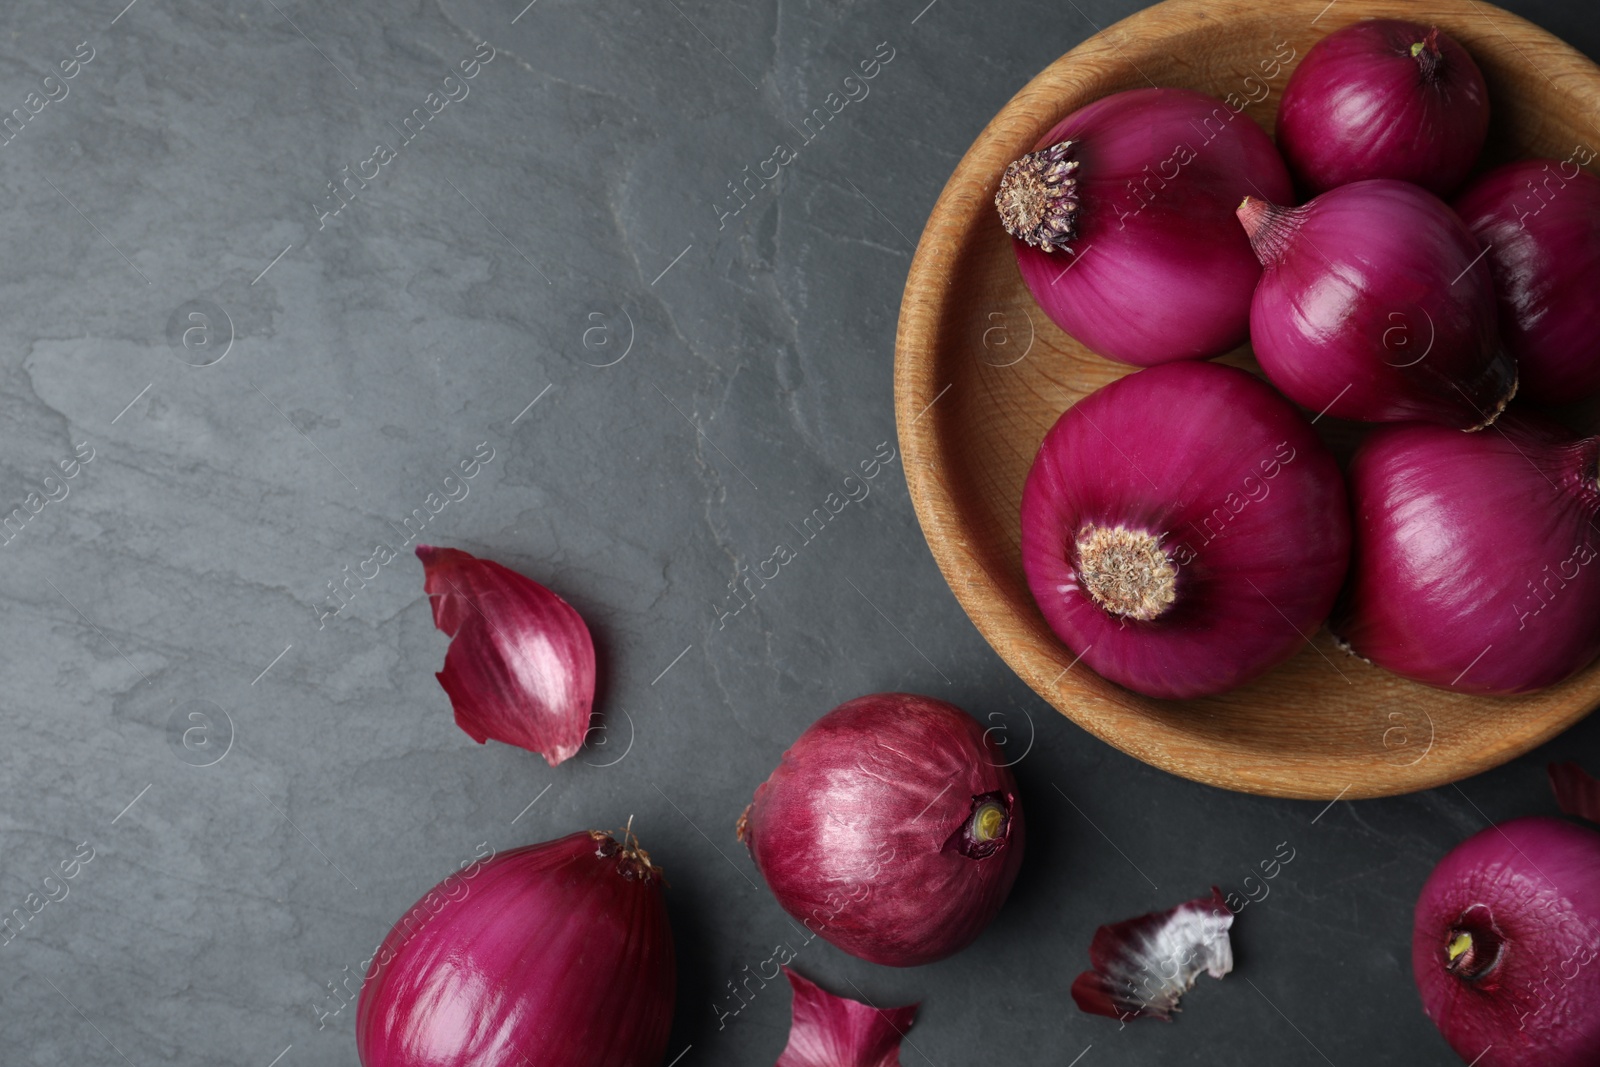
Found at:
(565, 213)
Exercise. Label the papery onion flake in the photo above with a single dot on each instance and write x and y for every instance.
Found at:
(1143, 966)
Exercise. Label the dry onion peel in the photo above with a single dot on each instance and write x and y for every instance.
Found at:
(1142, 966)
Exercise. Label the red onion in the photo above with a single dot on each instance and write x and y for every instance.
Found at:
(830, 1031)
(1384, 99)
(1577, 791)
(1183, 529)
(1143, 966)
(1473, 555)
(891, 828)
(1540, 221)
(520, 668)
(557, 954)
(1374, 305)
(1129, 198)
(1504, 944)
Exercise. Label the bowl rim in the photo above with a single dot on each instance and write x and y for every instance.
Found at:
(1015, 129)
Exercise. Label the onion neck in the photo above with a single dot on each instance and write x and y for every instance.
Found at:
(632, 861)
(1038, 198)
(1430, 59)
(986, 827)
(1126, 572)
(1474, 945)
(1269, 227)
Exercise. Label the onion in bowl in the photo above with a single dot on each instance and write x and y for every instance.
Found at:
(1133, 196)
(1539, 221)
(1384, 98)
(1375, 304)
(1474, 561)
(1184, 530)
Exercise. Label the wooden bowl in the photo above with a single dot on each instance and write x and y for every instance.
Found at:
(981, 374)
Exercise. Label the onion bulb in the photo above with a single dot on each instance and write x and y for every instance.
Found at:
(1505, 941)
(1184, 530)
(1474, 563)
(891, 828)
(1384, 98)
(557, 954)
(1540, 222)
(1375, 305)
(1130, 197)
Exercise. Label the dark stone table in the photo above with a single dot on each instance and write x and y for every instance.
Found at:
(274, 268)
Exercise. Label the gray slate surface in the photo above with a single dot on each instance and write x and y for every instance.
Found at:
(564, 212)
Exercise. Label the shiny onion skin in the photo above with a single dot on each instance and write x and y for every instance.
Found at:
(1474, 562)
(1505, 945)
(830, 1031)
(556, 954)
(520, 667)
(1234, 531)
(1540, 221)
(891, 828)
(1384, 99)
(1156, 174)
(1375, 305)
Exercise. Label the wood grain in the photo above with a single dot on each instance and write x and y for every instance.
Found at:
(981, 374)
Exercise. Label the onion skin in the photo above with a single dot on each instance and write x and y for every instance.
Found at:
(830, 1031)
(1142, 967)
(1473, 542)
(1535, 884)
(1155, 203)
(1247, 503)
(1540, 221)
(520, 667)
(557, 954)
(1577, 792)
(1375, 305)
(1361, 105)
(859, 830)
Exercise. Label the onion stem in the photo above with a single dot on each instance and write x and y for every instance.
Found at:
(986, 827)
(1473, 946)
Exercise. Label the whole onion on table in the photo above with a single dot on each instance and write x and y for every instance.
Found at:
(557, 954)
(1539, 219)
(1474, 563)
(1184, 530)
(1505, 945)
(1384, 98)
(1375, 305)
(891, 828)
(1129, 198)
